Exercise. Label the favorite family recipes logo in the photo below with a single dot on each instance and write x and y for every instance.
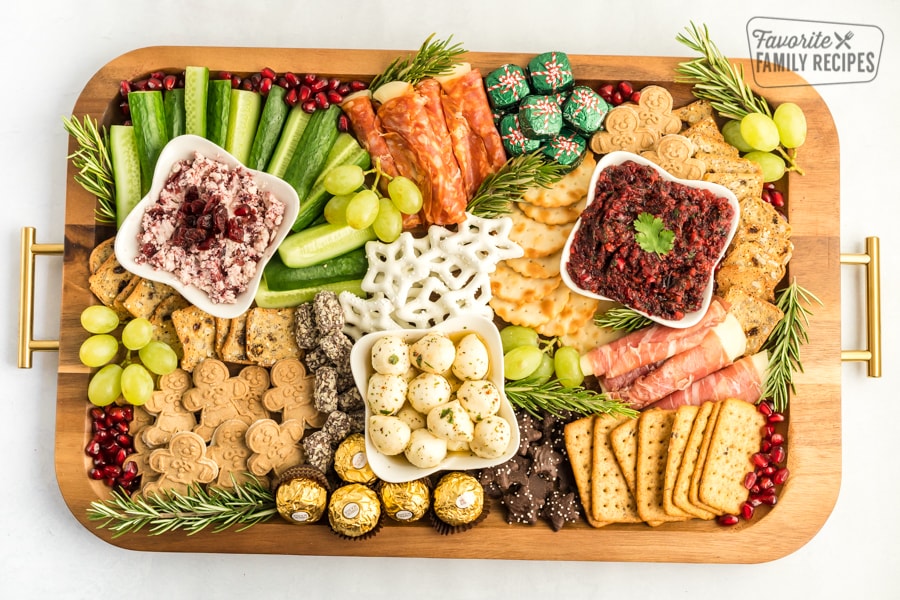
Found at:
(820, 52)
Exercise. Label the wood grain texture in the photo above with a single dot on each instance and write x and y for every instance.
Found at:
(814, 453)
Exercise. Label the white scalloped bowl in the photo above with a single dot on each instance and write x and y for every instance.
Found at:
(617, 158)
(181, 148)
(396, 469)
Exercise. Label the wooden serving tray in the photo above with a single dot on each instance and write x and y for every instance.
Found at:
(814, 435)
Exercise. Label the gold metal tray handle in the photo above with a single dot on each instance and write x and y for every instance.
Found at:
(872, 261)
(27, 343)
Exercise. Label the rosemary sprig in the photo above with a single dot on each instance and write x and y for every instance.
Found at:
(784, 343)
(716, 79)
(494, 196)
(534, 397)
(621, 318)
(95, 172)
(434, 57)
(245, 505)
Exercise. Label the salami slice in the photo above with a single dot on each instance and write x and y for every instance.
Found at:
(468, 148)
(368, 132)
(468, 91)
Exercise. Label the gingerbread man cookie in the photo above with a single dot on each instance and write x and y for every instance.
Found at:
(274, 446)
(292, 393)
(258, 381)
(623, 131)
(140, 456)
(182, 464)
(230, 451)
(220, 397)
(166, 404)
(673, 153)
(655, 110)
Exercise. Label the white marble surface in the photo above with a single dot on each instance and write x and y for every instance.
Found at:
(50, 48)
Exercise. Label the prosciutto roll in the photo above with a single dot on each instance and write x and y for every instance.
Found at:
(650, 345)
(744, 380)
(367, 129)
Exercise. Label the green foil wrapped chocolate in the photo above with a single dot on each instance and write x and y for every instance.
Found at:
(550, 72)
(506, 86)
(540, 117)
(584, 110)
(567, 148)
(514, 140)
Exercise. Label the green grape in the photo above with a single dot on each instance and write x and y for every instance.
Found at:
(136, 333)
(521, 362)
(99, 319)
(158, 357)
(791, 123)
(772, 165)
(137, 384)
(731, 131)
(405, 195)
(105, 386)
(544, 371)
(98, 350)
(362, 209)
(513, 336)
(388, 224)
(759, 131)
(344, 179)
(336, 209)
(567, 362)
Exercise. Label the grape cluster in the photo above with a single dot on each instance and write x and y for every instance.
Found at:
(129, 379)
(525, 357)
(762, 137)
(359, 206)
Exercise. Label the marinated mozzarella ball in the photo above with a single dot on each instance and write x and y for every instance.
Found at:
(386, 393)
(457, 446)
(491, 437)
(390, 355)
(411, 416)
(433, 353)
(450, 421)
(428, 390)
(471, 360)
(425, 450)
(480, 399)
(389, 435)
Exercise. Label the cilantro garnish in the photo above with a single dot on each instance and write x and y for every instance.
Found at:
(651, 234)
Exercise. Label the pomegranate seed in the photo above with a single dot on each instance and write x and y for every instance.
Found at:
(255, 79)
(769, 185)
(112, 471)
(754, 491)
(344, 89)
(770, 470)
(322, 101)
(169, 82)
(617, 98)
(309, 106)
(765, 483)
(154, 84)
(766, 408)
(747, 511)
(606, 90)
(127, 122)
(226, 75)
(343, 123)
(778, 454)
(247, 84)
(309, 78)
(333, 83)
(776, 438)
(754, 502)
(768, 431)
(292, 97)
(110, 481)
(728, 520)
(102, 436)
(282, 82)
(635, 97)
(93, 448)
(625, 88)
(265, 85)
(292, 79)
(95, 474)
(765, 446)
(781, 476)
(266, 72)
(357, 85)
(97, 413)
(776, 418)
(140, 85)
(334, 97)
(319, 85)
(760, 459)
(769, 499)
(305, 93)
(235, 82)
(122, 427)
(128, 476)
(766, 196)
(121, 455)
(749, 480)
(124, 88)
(124, 440)
(157, 75)
(777, 198)
(117, 414)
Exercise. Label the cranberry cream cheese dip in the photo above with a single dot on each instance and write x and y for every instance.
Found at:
(210, 227)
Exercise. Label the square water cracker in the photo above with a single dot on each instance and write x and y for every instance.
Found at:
(736, 437)
(579, 436)
(681, 431)
(654, 432)
(693, 494)
(611, 500)
(623, 440)
(681, 491)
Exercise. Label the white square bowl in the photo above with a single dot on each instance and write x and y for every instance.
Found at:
(396, 469)
(180, 148)
(617, 158)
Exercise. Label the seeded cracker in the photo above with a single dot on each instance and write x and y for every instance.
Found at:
(736, 437)
(681, 430)
(222, 328)
(108, 281)
(145, 297)
(680, 493)
(579, 436)
(654, 431)
(270, 335)
(163, 327)
(693, 495)
(611, 500)
(100, 253)
(234, 347)
(196, 332)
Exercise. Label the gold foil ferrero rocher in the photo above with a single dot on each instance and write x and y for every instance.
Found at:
(405, 502)
(302, 497)
(354, 510)
(350, 461)
(458, 499)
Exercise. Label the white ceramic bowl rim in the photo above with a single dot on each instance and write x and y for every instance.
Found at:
(617, 158)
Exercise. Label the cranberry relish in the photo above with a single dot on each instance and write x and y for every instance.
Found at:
(607, 260)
